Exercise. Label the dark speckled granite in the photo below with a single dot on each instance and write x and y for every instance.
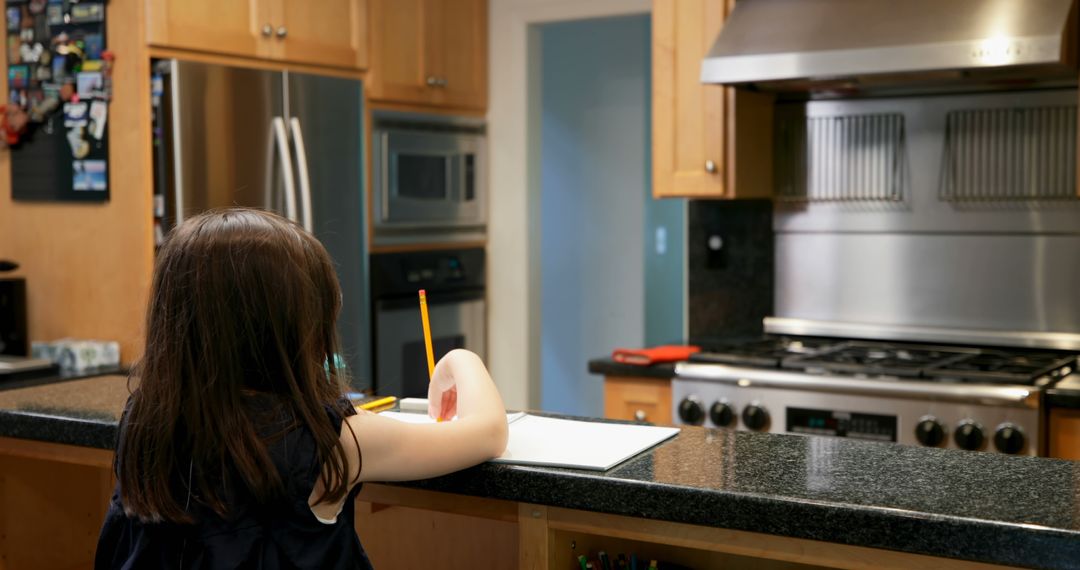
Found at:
(609, 367)
(976, 506)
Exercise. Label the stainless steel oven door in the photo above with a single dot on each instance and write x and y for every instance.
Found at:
(401, 362)
(429, 179)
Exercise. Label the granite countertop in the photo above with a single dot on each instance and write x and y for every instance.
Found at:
(978, 506)
(1065, 394)
(608, 367)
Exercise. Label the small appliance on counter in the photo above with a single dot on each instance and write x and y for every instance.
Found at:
(13, 334)
(454, 282)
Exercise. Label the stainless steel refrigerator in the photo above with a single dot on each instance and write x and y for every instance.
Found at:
(288, 142)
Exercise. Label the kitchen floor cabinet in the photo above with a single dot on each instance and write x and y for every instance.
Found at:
(429, 52)
(326, 33)
(640, 399)
(697, 128)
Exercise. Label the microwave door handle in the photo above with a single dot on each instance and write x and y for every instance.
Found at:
(303, 174)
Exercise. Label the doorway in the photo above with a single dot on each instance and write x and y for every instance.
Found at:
(611, 258)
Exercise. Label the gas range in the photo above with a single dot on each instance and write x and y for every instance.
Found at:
(937, 395)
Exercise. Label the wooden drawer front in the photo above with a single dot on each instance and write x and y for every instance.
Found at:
(1064, 433)
(642, 399)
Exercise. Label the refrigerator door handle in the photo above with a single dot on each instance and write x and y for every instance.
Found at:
(304, 176)
(282, 138)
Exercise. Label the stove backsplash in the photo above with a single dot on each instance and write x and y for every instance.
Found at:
(954, 211)
(730, 267)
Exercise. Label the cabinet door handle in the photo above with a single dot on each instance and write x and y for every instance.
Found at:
(282, 31)
(710, 167)
(432, 81)
(267, 30)
(639, 415)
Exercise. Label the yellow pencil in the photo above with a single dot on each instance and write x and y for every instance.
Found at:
(380, 403)
(427, 335)
(427, 339)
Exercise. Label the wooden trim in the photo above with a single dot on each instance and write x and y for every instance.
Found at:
(254, 63)
(748, 543)
(534, 539)
(61, 453)
(426, 246)
(382, 105)
(381, 496)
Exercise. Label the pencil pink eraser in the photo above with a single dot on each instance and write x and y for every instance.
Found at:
(422, 292)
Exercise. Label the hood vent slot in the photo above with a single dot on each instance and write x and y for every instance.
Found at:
(850, 158)
(1011, 154)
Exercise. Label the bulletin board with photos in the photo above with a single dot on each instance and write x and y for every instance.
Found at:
(55, 120)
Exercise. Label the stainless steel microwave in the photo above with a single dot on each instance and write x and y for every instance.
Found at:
(429, 177)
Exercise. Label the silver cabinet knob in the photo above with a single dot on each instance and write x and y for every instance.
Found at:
(432, 81)
(710, 167)
(282, 31)
(267, 30)
(639, 415)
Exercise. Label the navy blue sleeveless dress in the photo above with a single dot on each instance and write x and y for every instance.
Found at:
(279, 536)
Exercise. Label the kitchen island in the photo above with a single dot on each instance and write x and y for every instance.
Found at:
(704, 499)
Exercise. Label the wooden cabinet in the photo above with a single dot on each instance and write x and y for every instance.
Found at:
(326, 33)
(698, 129)
(1064, 433)
(641, 399)
(429, 52)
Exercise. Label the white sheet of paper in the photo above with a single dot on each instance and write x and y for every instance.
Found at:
(553, 442)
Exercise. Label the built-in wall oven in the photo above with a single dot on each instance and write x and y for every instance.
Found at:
(429, 177)
(454, 283)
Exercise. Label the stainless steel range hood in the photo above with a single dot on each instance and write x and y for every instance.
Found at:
(870, 45)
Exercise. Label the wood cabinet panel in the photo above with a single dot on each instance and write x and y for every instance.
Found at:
(709, 141)
(211, 25)
(429, 52)
(641, 399)
(1064, 433)
(462, 63)
(688, 117)
(327, 32)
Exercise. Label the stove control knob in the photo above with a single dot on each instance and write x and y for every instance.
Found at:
(1009, 438)
(691, 412)
(721, 414)
(929, 432)
(968, 435)
(755, 416)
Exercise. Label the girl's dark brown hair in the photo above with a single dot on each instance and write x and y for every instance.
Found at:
(243, 301)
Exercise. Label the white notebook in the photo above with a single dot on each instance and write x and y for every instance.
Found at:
(552, 442)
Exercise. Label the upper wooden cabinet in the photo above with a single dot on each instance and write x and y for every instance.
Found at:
(327, 32)
(429, 52)
(708, 141)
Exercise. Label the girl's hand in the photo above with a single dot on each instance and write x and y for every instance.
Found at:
(442, 390)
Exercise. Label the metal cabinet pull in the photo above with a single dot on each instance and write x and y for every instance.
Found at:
(267, 30)
(282, 31)
(640, 415)
(710, 167)
(432, 81)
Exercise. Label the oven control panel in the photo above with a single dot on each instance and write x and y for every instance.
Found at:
(855, 425)
(905, 420)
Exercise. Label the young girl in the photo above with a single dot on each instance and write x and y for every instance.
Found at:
(237, 448)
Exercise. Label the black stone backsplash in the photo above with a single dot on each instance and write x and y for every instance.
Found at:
(730, 281)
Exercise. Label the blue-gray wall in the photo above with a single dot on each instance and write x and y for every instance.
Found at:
(602, 283)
